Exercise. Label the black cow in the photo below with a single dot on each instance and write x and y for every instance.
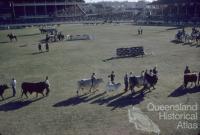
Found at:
(190, 77)
(34, 87)
(2, 89)
(152, 80)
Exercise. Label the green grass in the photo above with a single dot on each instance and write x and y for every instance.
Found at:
(69, 61)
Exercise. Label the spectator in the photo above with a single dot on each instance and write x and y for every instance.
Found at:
(47, 46)
(126, 82)
(13, 84)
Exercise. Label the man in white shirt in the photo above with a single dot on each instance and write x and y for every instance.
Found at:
(48, 84)
(13, 84)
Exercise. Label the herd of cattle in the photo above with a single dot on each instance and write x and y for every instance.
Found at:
(146, 82)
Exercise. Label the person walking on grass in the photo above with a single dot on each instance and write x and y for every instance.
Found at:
(112, 77)
(40, 47)
(126, 82)
(47, 46)
(13, 85)
(93, 78)
(48, 84)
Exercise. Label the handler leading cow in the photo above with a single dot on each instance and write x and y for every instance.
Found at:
(91, 83)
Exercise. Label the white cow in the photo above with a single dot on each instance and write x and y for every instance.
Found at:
(112, 87)
(87, 84)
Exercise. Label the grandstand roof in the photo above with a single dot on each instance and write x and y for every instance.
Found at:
(172, 2)
(27, 1)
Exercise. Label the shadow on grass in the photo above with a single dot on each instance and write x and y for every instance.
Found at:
(197, 46)
(25, 45)
(174, 28)
(15, 105)
(120, 101)
(36, 53)
(116, 101)
(126, 101)
(180, 91)
(4, 42)
(77, 100)
(187, 44)
(103, 100)
(176, 41)
(115, 58)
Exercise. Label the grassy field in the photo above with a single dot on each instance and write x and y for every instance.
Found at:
(100, 113)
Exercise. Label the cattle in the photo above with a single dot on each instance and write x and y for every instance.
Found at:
(112, 87)
(2, 89)
(148, 81)
(87, 84)
(190, 77)
(34, 87)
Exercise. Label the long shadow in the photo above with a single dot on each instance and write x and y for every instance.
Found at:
(95, 97)
(187, 44)
(15, 105)
(175, 28)
(36, 53)
(103, 100)
(115, 58)
(126, 100)
(71, 101)
(180, 91)
(176, 42)
(23, 45)
(4, 42)
(26, 35)
(77, 100)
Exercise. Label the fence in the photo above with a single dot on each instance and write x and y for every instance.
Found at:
(130, 52)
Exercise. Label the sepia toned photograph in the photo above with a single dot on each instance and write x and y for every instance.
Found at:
(99, 67)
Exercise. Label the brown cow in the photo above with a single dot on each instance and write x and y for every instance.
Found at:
(34, 87)
(190, 77)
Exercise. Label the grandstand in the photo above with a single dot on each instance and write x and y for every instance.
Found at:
(19, 11)
(175, 10)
